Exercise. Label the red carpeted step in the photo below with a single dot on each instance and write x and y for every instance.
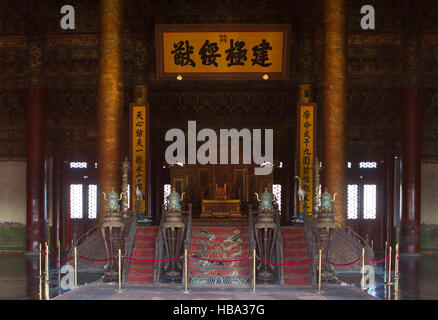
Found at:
(144, 244)
(296, 259)
(142, 263)
(146, 236)
(294, 245)
(292, 230)
(297, 280)
(140, 278)
(294, 237)
(296, 270)
(295, 251)
(144, 248)
(141, 253)
(143, 269)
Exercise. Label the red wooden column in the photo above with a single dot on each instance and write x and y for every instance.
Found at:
(334, 112)
(36, 144)
(411, 168)
(110, 101)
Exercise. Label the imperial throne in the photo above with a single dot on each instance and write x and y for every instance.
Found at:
(220, 206)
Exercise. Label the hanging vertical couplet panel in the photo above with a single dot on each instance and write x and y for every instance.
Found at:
(139, 153)
(223, 51)
(306, 150)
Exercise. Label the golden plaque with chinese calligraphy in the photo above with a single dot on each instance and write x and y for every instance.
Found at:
(139, 154)
(223, 51)
(306, 151)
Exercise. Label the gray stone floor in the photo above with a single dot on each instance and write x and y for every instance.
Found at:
(19, 280)
(104, 291)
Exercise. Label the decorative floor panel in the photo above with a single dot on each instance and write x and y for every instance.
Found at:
(219, 243)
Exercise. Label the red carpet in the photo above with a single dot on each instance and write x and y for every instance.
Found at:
(295, 250)
(144, 248)
(221, 243)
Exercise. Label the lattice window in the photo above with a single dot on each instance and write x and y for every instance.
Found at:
(370, 201)
(92, 201)
(76, 201)
(352, 201)
(78, 165)
(276, 189)
(167, 190)
(367, 165)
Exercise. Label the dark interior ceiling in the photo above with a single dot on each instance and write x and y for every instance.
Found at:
(42, 16)
(375, 71)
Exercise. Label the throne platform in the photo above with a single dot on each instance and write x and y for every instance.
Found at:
(221, 206)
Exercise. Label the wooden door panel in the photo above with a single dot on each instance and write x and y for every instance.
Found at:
(76, 227)
(365, 224)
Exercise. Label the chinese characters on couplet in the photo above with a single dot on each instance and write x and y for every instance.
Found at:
(306, 148)
(139, 141)
(236, 54)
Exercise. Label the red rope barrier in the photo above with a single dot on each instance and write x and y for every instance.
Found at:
(341, 264)
(287, 264)
(147, 260)
(377, 261)
(89, 259)
(211, 260)
(60, 261)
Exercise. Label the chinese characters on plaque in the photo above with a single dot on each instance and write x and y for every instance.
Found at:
(236, 54)
(306, 133)
(139, 148)
(222, 51)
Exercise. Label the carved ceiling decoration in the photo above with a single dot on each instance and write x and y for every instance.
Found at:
(223, 102)
(68, 63)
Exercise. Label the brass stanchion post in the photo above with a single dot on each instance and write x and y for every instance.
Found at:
(396, 276)
(120, 271)
(76, 266)
(389, 270)
(47, 263)
(40, 262)
(389, 293)
(319, 270)
(40, 291)
(397, 253)
(254, 270)
(186, 289)
(386, 252)
(40, 277)
(59, 263)
(363, 270)
(46, 291)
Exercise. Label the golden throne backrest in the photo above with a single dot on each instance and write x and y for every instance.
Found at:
(221, 193)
